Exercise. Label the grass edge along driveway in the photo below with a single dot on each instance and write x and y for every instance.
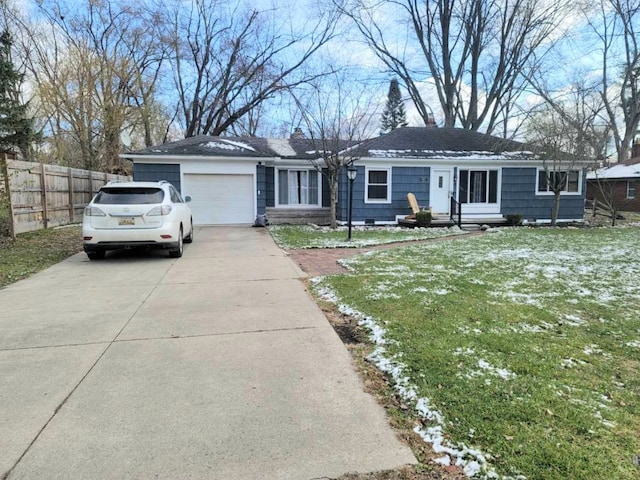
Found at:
(519, 349)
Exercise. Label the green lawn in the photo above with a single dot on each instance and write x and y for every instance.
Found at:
(304, 236)
(520, 349)
(35, 251)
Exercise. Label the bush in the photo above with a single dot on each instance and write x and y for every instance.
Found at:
(423, 218)
(514, 219)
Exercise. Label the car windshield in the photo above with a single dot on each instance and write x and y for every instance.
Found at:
(129, 196)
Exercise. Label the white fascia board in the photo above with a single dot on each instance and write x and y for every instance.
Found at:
(484, 162)
(189, 158)
(296, 162)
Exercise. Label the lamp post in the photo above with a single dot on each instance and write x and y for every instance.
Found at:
(351, 175)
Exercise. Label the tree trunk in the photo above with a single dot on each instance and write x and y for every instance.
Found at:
(333, 196)
(556, 208)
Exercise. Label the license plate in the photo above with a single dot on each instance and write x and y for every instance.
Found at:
(127, 221)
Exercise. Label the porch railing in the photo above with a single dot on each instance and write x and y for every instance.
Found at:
(456, 211)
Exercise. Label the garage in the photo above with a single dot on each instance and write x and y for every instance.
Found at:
(220, 199)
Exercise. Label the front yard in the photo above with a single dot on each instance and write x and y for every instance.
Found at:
(519, 349)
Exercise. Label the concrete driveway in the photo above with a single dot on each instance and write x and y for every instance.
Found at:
(216, 365)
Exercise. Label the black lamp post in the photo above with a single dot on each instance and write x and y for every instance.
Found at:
(351, 175)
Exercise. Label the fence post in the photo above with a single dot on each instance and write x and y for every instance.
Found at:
(7, 187)
(71, 197)
(43, 194)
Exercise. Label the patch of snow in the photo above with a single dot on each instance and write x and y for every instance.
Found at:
(471, 460)
(281, 146)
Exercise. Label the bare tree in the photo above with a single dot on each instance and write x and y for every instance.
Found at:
(94, 71)
(606, 196)
(578, 112)
(561, 147)
(228, 62)
(618, 28)
(475, 51)
(338, 114)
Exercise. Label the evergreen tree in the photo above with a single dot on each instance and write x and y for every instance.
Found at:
(394, 114)
(16, 129)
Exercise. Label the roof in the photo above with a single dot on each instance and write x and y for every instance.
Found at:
(406, 142)
(433, 142)
(616, 172)
(241, 147)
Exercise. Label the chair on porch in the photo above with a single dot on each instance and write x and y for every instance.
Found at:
(415, 208)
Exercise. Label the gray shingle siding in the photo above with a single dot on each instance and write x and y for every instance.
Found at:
(270, 187)
(519, 197)
(261, 185)
(403, 181)
(153, 172)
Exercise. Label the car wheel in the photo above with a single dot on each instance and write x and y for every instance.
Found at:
(96, 255)
(177, 253)
(189, 238)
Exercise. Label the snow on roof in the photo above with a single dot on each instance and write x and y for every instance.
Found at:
(281, 146)
(389, 153)
(224, 144)
(617, 171)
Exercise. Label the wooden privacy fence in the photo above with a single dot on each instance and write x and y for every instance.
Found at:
(43, 196)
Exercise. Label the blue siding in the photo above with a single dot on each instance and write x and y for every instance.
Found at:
(519, 197)
(270, 187)
(403, 181)
(326, 194)
(154, 172)
(261, 185)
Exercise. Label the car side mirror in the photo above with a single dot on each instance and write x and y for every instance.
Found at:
(187, 199)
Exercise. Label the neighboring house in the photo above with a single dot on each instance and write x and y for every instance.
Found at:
(231, 180)
(617, 186)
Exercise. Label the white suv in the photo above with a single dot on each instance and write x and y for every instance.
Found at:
(137, 214)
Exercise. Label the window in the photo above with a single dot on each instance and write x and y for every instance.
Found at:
(478, 186)
(566, 181)
(631, 189)
(129, 196)
(378, 185)
(298, 187)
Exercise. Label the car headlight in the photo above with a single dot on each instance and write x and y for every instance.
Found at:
(94, 212)
(160, 210)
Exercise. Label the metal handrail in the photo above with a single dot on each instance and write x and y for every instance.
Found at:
(456, 208)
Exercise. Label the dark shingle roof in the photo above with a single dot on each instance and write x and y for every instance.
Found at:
(429, 142)
(204, 145)
(407, 142)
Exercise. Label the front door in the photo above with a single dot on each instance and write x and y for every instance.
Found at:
(440, 191)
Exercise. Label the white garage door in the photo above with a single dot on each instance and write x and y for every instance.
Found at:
(220, 199)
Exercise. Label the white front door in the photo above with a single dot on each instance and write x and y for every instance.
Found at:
(440, 191)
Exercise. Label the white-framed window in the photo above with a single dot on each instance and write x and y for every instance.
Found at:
(570, 182)
(631, 189)
(478, 186)
(377, 188)
(298, 186)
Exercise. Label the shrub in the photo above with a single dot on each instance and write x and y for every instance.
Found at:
(514, 219)
(423, 218)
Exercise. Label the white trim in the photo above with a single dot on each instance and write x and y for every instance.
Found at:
(629, 182)
(197, 158)
(276, 187)
(460, 162)
(483, 208)
(387, 201)
(563, 193)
